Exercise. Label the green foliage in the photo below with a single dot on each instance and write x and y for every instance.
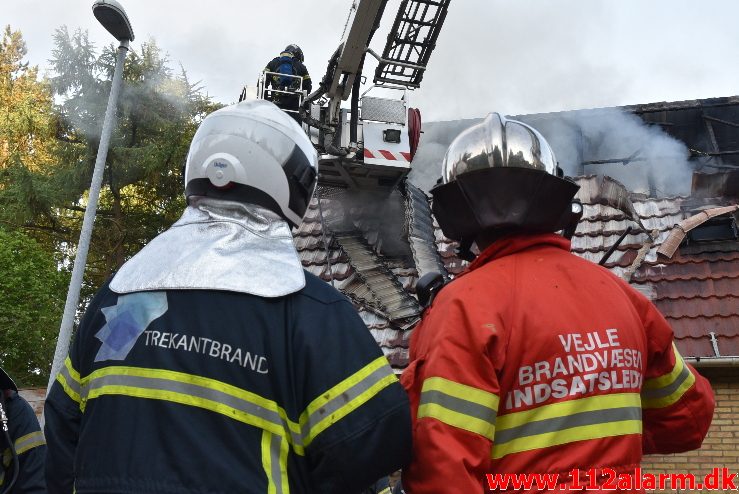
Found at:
(157, 114)
(32, 293)
(27, 131)
(49, 135)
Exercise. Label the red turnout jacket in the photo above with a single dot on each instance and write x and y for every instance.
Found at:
(537, 361)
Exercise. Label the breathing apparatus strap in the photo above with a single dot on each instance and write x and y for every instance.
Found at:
(6, 434)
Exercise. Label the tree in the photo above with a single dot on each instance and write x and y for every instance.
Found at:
(32, 292)
(27, 131)
(157, 115)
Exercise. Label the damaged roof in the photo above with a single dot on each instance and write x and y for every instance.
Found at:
(697, 290)
(375, 248)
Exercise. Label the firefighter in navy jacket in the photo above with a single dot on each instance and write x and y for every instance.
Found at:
(290, 62)
(535, 360)
(23, 465)
(212, 362)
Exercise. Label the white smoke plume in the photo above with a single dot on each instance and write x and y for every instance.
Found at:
(658, 162)
(655, 162)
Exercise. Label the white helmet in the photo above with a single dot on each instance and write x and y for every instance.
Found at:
(253, 152)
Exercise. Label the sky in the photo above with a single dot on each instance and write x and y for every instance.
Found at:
(510, 56)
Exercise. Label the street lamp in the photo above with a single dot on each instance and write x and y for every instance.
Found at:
(111, 15)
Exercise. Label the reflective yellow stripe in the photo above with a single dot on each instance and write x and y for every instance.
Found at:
(183, 378)
(239, 404)
(566, 408)
(669, 378)
(69, 379)
(284, 450)
(267, 461)
(153, 385)
(461, 391)
(352, 392)
(274, 461)
(589, 418)
(673, 397)
(566, 436)
(456, 419)
(28, 442)
(665, 390)
(459, 405)
(72, 371)
(186, 399)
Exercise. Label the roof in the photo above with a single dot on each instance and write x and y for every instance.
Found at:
(697, 290)
(379, 246)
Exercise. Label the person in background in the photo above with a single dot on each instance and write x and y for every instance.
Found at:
(288, 63)
(535, 360)
(22, 445)
(212, 361)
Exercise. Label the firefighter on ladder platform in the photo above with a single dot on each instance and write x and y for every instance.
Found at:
(286, 75)
(22, 445)
(212, 362)
(535, 360)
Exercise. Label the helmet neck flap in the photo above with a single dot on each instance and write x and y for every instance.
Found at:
(502, 199)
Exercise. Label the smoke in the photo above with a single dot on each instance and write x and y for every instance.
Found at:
(655, 163)
(436, 137)
(379, 215)
(658, 162)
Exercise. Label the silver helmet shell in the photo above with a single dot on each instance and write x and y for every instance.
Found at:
(253, 152)
(498, 142)
(501, 175)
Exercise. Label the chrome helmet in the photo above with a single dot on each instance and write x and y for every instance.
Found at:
(501, 175)
(253, 152)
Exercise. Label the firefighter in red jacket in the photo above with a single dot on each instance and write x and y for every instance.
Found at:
(534, 360)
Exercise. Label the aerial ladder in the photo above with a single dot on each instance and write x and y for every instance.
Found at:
(371, 144)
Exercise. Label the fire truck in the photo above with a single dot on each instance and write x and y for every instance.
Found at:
(369, 145)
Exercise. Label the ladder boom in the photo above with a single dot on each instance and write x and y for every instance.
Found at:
(410, 42)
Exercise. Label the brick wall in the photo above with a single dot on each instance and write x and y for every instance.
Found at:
(721, 446)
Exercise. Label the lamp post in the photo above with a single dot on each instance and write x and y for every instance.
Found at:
(111, 15)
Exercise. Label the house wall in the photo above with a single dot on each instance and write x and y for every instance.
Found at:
(721, 446)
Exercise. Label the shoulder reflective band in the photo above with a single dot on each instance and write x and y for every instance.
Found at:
(345, 397)
(28, 442)
(665, 390)
(566, 422)
(274, 461)
(459, 405)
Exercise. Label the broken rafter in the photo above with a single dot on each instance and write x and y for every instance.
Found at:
(725, 122)
(679, 231)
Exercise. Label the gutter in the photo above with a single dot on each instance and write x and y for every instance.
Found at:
(713, 361)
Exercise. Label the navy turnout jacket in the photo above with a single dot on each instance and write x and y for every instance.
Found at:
(223, 392)
(28, 441)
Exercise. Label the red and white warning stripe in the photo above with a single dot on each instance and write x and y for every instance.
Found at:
(388, 155)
